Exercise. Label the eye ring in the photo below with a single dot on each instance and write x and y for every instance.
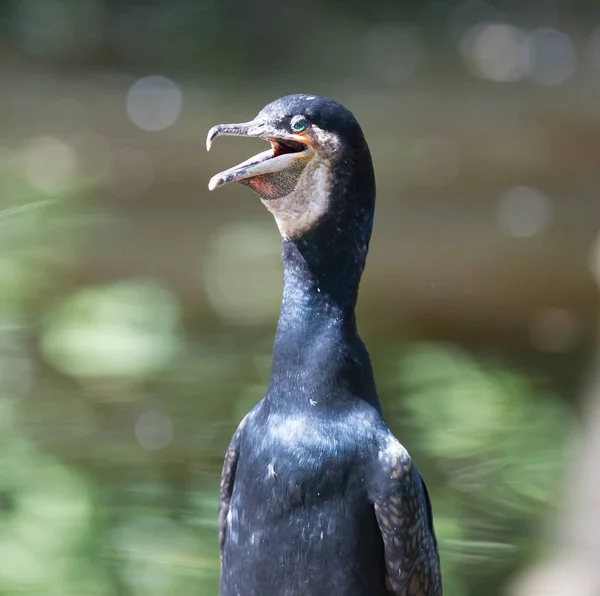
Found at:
(299, 124)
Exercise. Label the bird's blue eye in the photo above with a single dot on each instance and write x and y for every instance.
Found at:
(299, 124)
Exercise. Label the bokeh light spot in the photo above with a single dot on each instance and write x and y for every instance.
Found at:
(555, 330)
(50, 164)
(497, 52)
(153, 430)
(523, 211)
(154, 103)
(554, 57)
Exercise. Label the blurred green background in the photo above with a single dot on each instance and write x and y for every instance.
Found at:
(137, 310)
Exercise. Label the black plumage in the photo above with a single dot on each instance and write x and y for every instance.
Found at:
(317, 496)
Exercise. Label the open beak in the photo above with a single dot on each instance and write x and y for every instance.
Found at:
(286, 150)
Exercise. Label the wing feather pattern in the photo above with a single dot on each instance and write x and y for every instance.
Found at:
(227, 481)
(403, 512)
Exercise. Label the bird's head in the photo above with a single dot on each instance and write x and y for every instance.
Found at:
(318, 164)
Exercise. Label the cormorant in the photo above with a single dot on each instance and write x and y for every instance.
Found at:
(317, 495)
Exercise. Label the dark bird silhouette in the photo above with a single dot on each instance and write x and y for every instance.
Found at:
(317, 496)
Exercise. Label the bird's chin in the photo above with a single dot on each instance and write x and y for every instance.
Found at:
(275, 185)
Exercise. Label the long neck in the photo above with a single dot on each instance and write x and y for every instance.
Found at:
(318, 354)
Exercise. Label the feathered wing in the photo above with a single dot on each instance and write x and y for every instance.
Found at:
(403, 512)
(227, 481)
